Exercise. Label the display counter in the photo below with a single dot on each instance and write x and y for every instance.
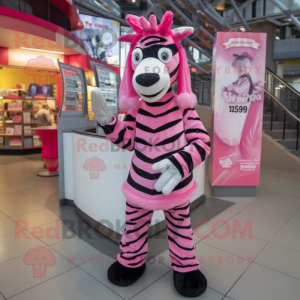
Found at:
(94, 171)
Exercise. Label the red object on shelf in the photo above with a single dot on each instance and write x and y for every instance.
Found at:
(48, 137)
(13, 97)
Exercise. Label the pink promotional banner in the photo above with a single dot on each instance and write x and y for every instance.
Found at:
(237, 103)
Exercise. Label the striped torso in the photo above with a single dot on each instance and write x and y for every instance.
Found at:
(157, 131)
(159, 134)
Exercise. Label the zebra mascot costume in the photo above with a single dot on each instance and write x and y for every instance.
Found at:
(168, 140)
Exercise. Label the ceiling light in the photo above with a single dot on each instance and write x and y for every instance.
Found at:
(287, 20)
(221, 6)
(277, 38)
(42, 50)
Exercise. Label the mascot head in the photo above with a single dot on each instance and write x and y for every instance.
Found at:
(156, 59)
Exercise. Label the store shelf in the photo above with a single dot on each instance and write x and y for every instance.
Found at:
(8, 123)
(29, 135)
(74, 90)
(33, 147)
(11, 135)
(11, 147)
(30, 123)
(17, 111)
(72, 77)
(28, 99)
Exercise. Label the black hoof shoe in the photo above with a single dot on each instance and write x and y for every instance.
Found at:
(190, 284)
(122, 276)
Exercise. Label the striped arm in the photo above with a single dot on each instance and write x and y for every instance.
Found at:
(198, 148)
(122, 133)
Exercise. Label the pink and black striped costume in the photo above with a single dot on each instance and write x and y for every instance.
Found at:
(168, 128)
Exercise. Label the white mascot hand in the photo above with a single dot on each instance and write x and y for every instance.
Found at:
(100, 108)
(170, 176)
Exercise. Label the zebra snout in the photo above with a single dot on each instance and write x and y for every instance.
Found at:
(147, 79)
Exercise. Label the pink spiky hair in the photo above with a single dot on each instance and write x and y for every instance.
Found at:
(128, 98)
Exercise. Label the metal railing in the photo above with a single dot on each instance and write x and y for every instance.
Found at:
(283, 92)
(202, 89)
(285, 112)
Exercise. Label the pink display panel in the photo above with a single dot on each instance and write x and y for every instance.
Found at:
(237, 108)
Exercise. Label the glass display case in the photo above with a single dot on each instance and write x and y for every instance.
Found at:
(22, 96)
(74, 99)
(107, 80)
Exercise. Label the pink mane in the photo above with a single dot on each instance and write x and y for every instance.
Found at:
(128, 98)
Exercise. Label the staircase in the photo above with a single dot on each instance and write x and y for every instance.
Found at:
(283, 102)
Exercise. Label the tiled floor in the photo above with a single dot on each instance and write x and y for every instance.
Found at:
(249, 251)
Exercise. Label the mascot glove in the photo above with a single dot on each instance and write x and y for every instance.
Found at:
(100, 108)
(170, 176)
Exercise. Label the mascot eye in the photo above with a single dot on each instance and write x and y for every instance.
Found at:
(165, 55)
(137, 55)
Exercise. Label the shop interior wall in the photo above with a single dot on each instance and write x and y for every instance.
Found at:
(14, 78)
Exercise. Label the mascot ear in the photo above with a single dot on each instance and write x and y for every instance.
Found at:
(128, 98)
(183, 32)
(128, 37)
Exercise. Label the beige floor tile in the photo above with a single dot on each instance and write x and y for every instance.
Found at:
(20, 207)
(266, 215)
(261, 283)
(164, 289)
(209, 225)
(74, 284)
(278, 206)
(29, 185)
(40, 191)
(8, 226)
(16, 244)
(287, 238)
(16, 276)
(259, 229)
(35, 218)
(270, 195)
(12, 197)
(52, 233)
(75, 250)
(220, 268)
(297, 214)
(237, 243)
(2, 216)
(293, 223)
(154, 271)
(5, 189)
(280, 259)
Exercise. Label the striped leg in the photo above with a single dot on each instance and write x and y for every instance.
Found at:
(134, 245)
(181, 240)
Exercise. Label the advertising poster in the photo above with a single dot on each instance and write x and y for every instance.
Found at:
(237, 107)
(101, 38)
